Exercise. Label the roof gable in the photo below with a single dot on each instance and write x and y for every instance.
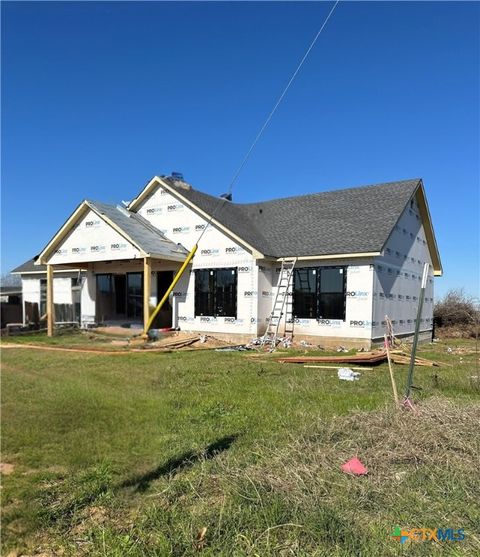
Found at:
(349, 222)
(98, 231)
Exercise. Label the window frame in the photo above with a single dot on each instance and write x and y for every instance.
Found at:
(318, 293)
(213, 302)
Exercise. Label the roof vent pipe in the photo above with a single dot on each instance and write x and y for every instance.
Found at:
(227, 196)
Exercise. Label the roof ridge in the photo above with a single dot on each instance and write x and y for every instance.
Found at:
(304, 195)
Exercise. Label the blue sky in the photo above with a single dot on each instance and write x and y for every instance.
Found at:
(99, 97)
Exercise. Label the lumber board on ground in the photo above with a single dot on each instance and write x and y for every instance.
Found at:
(362, 357)
(363, 368)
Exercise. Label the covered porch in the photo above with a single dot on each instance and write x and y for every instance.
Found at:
(126, 263)
(120, 293)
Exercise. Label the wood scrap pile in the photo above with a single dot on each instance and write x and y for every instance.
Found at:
(401, 357)
(374, 357)
(178, 343)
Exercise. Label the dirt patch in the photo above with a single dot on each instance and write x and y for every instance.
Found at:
(118, 331)
(6, 469)
(91, 516)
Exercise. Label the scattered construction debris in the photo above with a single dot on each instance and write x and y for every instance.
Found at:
(354, 467)
(363, 368)
(401, 357)
(236, 348)
(374, 357)
(179, 343)
(6, 469)
(347, 374)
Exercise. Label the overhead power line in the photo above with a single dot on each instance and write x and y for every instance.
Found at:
(280, 99)
(268, 119)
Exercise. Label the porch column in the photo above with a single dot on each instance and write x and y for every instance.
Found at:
(50, 306)
(147, 286)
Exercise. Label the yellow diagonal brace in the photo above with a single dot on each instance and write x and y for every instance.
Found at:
(170, 288)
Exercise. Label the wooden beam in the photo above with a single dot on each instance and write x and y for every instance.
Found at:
(147, 287)
(50, 306)
(363, 368)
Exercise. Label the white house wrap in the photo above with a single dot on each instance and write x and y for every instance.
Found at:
(360, 254)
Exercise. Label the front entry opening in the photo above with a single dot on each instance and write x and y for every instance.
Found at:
(164, 317)
(119, 297)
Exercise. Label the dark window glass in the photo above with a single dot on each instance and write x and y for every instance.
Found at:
(216, 292)
(104, 284)
(305, 293)
(226, 292)
(319, 293)
(331, 294)
(135, 295)
(43, 297)
(204, 292)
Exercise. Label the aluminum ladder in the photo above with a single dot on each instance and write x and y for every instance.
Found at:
(281, 306)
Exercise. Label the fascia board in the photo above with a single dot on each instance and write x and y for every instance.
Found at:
(61, 234)
(429, 232)
(335, 256)
(132, 206)
(71, 271)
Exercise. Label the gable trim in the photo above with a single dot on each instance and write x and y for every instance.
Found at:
(428, 229)
(419, 194)
(81, 210)
(156, 181)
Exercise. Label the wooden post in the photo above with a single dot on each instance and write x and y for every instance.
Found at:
(392, 378)
(50, 306)
(421, 297)
(147, 287)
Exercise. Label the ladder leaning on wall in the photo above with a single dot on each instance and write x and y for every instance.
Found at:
(282, 306)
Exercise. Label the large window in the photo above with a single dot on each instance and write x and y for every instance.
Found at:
(319, 293)
(216, 292)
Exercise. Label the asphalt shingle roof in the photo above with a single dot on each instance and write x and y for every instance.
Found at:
(355, 220)
(145, 235)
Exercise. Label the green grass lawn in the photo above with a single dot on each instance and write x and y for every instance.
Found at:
(135, 454)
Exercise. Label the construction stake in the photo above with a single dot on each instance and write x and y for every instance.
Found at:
(417, 331)
(392, 378)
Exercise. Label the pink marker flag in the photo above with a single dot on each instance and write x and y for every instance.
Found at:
(355, 467)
